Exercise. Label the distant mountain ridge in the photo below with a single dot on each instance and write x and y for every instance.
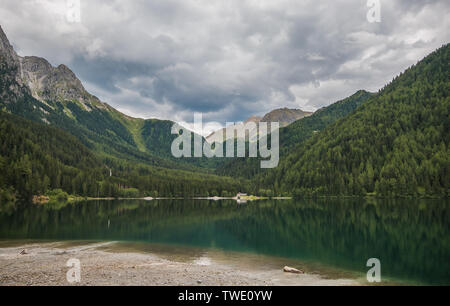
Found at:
(293, 135)
(284, 116)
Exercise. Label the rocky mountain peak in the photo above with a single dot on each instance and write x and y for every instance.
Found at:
(255, 119)
(65, 72)
(44, 81)
(35, 65)
(51, 83)
(285, 116)
(6, 50)
(5, 46)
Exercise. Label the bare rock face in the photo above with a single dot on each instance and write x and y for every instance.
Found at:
(32, 71)
(11, 88)
(52, 83)
(285, 116)
(255, 119)
(43, 81)
(6, 50)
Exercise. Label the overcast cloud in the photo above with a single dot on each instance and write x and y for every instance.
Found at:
(228, 59)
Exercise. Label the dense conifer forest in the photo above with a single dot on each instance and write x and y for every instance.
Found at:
(395, 144)
(391, 143)
(36, 158)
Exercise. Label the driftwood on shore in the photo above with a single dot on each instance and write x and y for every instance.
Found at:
(292, 270)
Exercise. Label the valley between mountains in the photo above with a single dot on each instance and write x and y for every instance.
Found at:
(56, 138)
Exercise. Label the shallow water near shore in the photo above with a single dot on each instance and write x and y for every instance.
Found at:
(330, 237)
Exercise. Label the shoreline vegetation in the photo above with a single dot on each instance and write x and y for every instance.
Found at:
(44, 263)
(42, 200)
(45, 199)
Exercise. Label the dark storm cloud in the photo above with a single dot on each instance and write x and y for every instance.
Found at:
(227, 59)
(106, 72)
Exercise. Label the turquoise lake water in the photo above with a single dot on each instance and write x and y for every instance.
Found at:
(411, 238)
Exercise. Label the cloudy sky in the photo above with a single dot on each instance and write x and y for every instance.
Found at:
(227, 59)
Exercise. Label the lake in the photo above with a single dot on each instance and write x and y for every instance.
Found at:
(411, 238)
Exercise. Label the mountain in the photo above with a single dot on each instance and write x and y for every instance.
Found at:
(36, 158)
(56, 135)
(395, 144)
(296, 133)
(254, 119)
(32, 88)
(227, 133)
(284, 116)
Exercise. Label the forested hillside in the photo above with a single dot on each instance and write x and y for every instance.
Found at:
(396, 144)
(36, 158)
(102, 129)
(55, 135)
(295, 134)
(30, 87)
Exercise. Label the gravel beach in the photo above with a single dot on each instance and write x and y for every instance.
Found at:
(36, 264)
